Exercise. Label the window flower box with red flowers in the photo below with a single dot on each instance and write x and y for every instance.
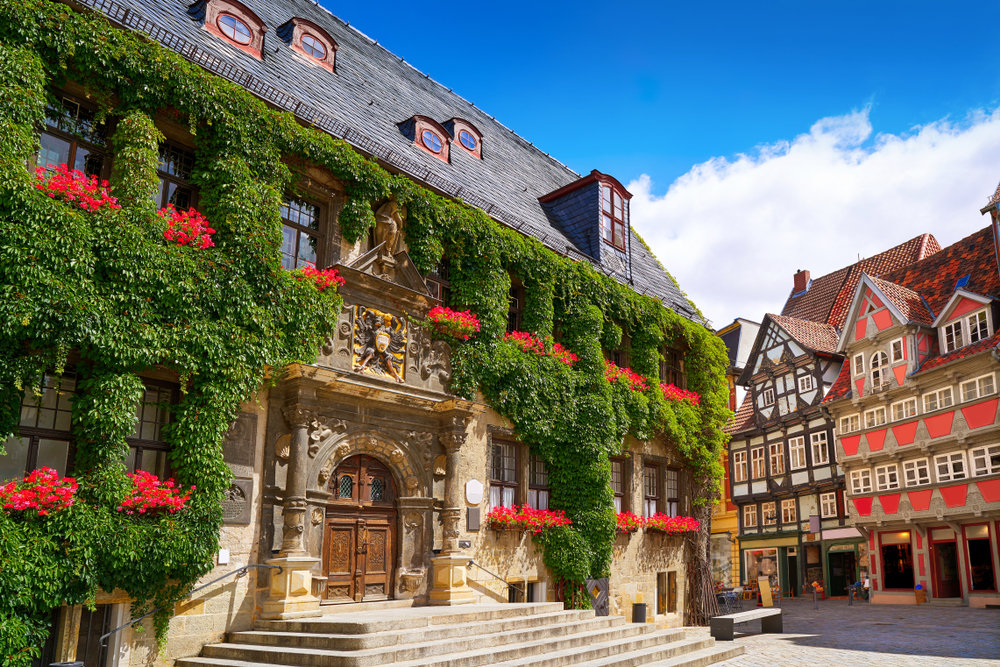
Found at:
(41, 492)
(152, 497)
(629, 523)
(186, 228)
(524, 518)
(453, 324)
(671, 525)
(322, 279)
(530, 343)
(615, 374)
(74, 186)
(673, 393)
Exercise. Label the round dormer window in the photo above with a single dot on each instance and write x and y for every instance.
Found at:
(431, 141)
(313, 47)
(234, 29)
(467, 140)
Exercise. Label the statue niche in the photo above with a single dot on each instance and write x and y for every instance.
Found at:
(379, 343)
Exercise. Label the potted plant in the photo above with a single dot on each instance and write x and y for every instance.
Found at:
(628, 522)
(671, 525)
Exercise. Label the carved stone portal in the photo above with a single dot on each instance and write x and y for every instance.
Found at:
(379, 343)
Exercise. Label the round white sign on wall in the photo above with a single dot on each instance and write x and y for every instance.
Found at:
(474, 492)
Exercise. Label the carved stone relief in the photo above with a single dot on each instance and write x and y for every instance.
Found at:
(379, 343)
(236, 505)
(283, 446)
(240, 444)
(429, 357)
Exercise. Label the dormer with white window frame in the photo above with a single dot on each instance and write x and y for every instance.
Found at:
(966, 319)
(594, 212)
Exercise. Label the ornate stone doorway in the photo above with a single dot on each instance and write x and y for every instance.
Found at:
(359, 545)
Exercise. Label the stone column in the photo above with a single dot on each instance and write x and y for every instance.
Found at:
(291, 587)
(450, 568)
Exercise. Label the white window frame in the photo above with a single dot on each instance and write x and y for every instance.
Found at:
(901, 408)
(879, 375)
(820, 448)
(892, 351)
(758, 461)
(740, 466)
(848, 421)
(858, 365)
(984, 385)
(776, 455)
(921, 469)
(985, 460)
(875, 417)
(887, 477)
(955, 464)
(968, 326)
(797, 453)
(954, 330)
(788, 513)
(806, 383)
(828, 505)
(773, 506)
(750, 516)
(768, 396)
(942, 398)
(861, 481)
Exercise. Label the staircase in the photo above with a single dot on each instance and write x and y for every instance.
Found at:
(507, 635)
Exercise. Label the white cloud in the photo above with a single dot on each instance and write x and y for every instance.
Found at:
(734, 231)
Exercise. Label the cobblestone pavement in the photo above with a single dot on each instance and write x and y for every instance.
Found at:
(866, 634)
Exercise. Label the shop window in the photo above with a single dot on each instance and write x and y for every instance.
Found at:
(861, 481)
(760, 563)
(887, 477)
(672, 368)
(897, 566)
(175, 168)
(538, 483)
(302, 241)
(777, 454)
(515, 308)
(148, 450)
(981, 574)
(950, 466)
(896, 349)
(978, 387)
(45, 430)
(740, 466)
(757, 462)
(614, 209)
(985, 460)
(904, 409)
(828, 505)
(850, 423)
(72, 136)
(503, 475)
(439, 283)
(797, 453)
(749, 516)
(875, 417)
(769, 513)
(942, 398)
(820, 448)
(618, 484)
(788, 511)
(916, 472)
(651, 490)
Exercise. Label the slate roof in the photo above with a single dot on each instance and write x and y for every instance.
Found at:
(743, 418)
(363, 102)
(829, 297)
(816, 336)
(905, 300)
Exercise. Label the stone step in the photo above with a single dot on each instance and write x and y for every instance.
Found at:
(706, 656)
(445, 653)
(358, 607)
(488, 633)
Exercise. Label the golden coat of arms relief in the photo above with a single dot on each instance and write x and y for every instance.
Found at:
(379, 343)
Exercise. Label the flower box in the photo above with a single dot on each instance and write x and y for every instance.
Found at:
(525, 518)
(459, 325)
(629, 523)
(671, 525)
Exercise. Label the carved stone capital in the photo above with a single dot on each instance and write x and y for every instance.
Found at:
(453, 441)
(297, 416)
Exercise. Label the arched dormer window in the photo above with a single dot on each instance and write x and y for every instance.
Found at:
(428, 135)
(311, 41)
(466, 136)
(233, 22)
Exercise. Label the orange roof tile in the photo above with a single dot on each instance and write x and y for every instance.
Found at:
(841, 386)
(743, 419)
(905, 300)
(814, 335)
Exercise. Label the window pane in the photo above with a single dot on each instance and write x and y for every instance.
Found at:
(53, 454)
(508, 496)
(88, 162)
(288, 247)
(981, 565)
(897, 566)
(154, 462)
(12, 465)
(618, 504)
(176, 161)
(307, 250)
(55, 151)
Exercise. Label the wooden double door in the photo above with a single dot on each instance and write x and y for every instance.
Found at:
(359, 545)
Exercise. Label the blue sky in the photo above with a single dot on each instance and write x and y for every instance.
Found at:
(744, 129)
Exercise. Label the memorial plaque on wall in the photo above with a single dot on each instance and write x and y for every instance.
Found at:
(236, 504)
(240, 444)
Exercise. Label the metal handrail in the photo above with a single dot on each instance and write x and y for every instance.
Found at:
(497, 576)
(239, 572)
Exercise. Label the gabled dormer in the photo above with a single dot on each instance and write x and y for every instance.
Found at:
(594, 212)
(967, 319)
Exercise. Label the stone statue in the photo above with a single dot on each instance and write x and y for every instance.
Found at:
(388, 227)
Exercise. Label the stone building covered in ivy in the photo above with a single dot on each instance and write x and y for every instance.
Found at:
(369, 474)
